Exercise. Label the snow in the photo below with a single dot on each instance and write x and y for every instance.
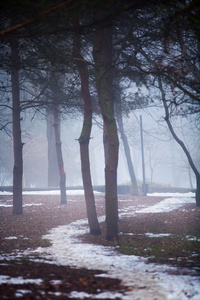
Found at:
(150, 281)
(50, 192)
(176, 195)
(24, 205)
(167, 205)
(105, 295)
(147, 234)
(18, 280)
(146, 280)
(192, 238)
(20, 293)
(15, 237)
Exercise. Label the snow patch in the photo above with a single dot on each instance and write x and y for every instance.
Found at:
(18, 280)
(51, 192)
(167, 205)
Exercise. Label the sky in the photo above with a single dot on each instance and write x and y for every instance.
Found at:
(146, 281)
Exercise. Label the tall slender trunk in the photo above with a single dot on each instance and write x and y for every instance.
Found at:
(167, 119)
(85, 133)
(190, 176)
(134, 189)
(17, 140)
(102, 54)
(59, 156)
(53, 172)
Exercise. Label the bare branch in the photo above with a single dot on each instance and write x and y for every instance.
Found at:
(41, 15)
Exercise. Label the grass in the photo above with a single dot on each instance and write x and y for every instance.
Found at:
(171, 249)
(180, 247)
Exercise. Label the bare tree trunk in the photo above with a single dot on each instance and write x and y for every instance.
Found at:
(85, 134)
(102, 53)
(53, 172)
(17, 141)
(190, 176)
(197, 174)
(134, 190)
(59, 156)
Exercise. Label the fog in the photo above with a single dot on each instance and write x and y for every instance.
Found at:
(165, 162)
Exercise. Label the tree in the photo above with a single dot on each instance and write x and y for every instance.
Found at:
(180, 142)
(59, 155)
(144, 51)
(134, 190)
(86, 130)
(17, 139)
(102, 54)
(55, 78)
(171, 54)
(53, 172)
(175, 69)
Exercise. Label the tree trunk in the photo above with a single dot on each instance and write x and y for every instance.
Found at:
(53, 171)
(87, 183)
(17, 142)
(134, 189)
(196, 172)
(198, 190)
(59, 156)
(102, 53)
(85, 134)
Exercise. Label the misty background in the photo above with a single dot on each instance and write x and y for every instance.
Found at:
(165, 162)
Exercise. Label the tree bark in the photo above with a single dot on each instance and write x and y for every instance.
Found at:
(53, 171)
(85, 133)
(134, 189)
(59, 156)
(167, 119)
(102, 54)
(17, 140)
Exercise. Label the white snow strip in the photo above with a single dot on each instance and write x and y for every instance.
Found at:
(157, 235)
(32, 204)
(147, 234)
(189, 194)
(24, 205)
(5, 193)
(55, 282)
(167, 205)
(192, 238)
(104, 295)
(51, 192)
(18, 280)
(56, 294)
(20, 293)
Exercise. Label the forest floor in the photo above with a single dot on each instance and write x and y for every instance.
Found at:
(177, 243)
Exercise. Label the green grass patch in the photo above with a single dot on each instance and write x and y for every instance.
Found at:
(175, 249)
(44, 242)
(171, 249)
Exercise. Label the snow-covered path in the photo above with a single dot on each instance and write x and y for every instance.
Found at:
(146, 281)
